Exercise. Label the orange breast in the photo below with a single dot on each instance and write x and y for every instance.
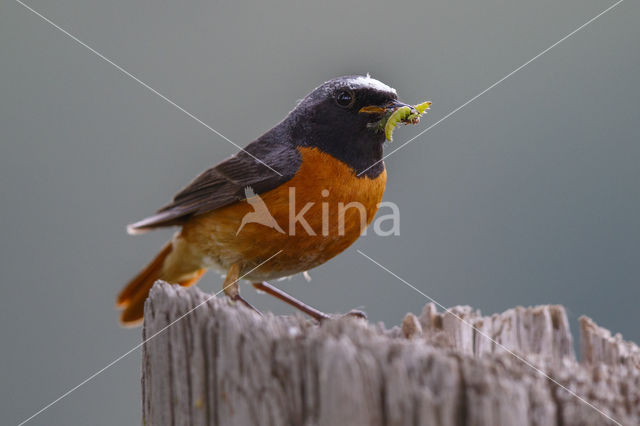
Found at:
(334, 203)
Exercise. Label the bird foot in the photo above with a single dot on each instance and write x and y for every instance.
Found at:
(354, 313)
(242, 301)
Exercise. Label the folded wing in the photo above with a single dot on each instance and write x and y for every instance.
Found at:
(225, 184)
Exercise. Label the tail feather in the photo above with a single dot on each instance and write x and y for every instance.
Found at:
(131, 299)
(141, 281)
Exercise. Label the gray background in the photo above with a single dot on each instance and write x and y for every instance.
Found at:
(527, 196)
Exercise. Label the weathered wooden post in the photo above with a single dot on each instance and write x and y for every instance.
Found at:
(225, 365)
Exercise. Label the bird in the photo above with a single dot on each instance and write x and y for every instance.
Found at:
(324, 161)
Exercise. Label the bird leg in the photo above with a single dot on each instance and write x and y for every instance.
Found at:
(231, 287)
(312, 312)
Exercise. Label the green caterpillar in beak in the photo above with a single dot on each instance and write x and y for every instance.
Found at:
(405, 115)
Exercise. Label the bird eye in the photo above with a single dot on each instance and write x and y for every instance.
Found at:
(345, 98)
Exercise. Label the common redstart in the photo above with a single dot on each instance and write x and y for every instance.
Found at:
(291, 200)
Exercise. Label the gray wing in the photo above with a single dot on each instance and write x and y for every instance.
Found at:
(224, 184)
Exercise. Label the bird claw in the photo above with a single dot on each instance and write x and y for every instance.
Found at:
(356, 313)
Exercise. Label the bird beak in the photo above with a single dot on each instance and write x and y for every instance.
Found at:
(390, 107)
(373, 110)
(395, 104)
(388, 116)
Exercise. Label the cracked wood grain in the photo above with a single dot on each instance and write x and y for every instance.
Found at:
(224, 365)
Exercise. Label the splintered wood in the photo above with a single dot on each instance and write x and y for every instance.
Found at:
(225, 365)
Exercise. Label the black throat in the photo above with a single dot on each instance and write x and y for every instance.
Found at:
(358, 146)
(363, 156)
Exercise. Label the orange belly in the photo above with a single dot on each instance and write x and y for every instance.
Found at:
(213, 242)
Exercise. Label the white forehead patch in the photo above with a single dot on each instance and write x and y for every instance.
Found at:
(367, 81)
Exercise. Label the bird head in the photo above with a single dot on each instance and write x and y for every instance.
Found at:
(346, 117)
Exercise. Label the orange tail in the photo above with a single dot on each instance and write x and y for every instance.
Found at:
(131, 299)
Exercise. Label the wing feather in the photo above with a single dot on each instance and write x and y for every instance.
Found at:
(224, 184)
